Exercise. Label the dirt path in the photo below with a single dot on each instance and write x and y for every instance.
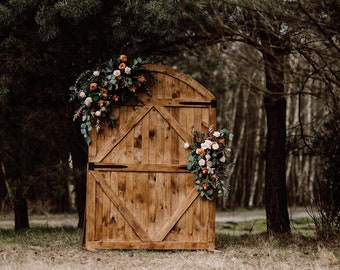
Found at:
(7, 222)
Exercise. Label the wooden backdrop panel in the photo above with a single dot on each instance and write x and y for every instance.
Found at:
(139, 193)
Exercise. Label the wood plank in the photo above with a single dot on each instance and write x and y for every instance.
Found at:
(177, 214)
(90, 212)
(169, 245)
(154, 192)
(151, 144)
(99, 213)
(129, 234)
(123, 131)
(181, 131)
(180, 102)
(136, 226)
(122, 190)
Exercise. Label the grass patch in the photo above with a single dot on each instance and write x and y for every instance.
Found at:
(236, 248)
(303, 226)
(41, 236)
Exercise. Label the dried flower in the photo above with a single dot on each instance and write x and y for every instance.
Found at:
(115, 98)
(104, 92)
(141, 79)
(133, 89)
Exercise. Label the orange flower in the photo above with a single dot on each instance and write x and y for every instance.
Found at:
(122, 66)
(104, 92)
(205, 186)
(204, 170)
(123, 58)
(200, 151)
(141, 79)
(221, 141)
(101, 103)
(133, 89)
(93, 86)
(115, 98)
(213, 177)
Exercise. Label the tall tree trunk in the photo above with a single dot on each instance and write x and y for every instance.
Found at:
(20, 208)
(275, 179)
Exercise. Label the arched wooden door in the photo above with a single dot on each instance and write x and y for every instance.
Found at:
(139, 193)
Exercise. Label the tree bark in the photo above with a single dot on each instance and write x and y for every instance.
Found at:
(20, 209)
(275, 179)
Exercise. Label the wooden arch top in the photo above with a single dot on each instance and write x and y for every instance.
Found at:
(186, 79)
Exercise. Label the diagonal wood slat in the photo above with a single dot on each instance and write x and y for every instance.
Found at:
(124, 130)
(178, 127)
(124, 211)
(177, 214)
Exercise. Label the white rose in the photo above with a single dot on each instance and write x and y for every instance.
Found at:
(222, 159)
(96, 73)
(207, 156)
(127, 70)
(88, 102)
(116, 73)
(186, 145)
(216, 134)
(206, 144)
(201, 162)
(82, 94)
(215, 145)
(98, 113)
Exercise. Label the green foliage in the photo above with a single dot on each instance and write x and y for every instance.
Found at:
(326, 200)
(78, 10)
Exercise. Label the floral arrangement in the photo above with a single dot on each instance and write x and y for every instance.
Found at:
(112, 84)
(209, 160)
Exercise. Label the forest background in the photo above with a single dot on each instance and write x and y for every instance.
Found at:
(272, 65)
